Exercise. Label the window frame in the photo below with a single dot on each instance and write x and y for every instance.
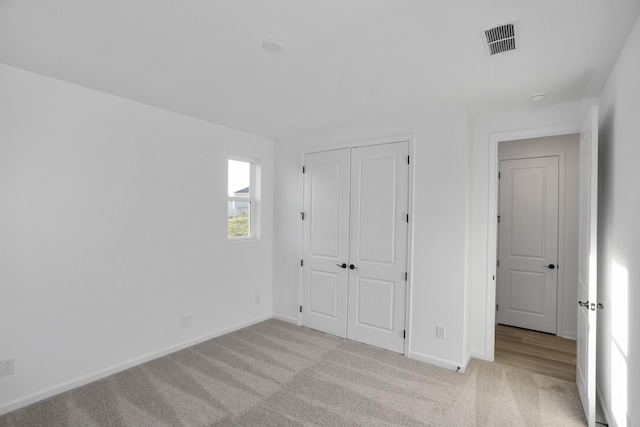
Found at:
(250, 198)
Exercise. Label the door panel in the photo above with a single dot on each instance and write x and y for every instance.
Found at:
(378, 245)
(324, 208)
(326, 241)
(323, 293)
(528, 219)
(527, 290)
(587, 266)
(378, 310)
(376, 182)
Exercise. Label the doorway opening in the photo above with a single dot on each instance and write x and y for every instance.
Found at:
(537, 254)
(587, 289)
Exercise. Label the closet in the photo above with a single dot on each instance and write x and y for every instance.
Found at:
(355, 231)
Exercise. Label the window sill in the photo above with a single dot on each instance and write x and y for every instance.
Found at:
(242, 239)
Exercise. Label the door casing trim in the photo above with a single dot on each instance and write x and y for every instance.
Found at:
(408, 138)
(492, 214)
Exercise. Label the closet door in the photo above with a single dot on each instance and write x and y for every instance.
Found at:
(378, 245)
(326, 241)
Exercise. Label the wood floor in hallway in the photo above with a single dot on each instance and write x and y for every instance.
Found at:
(538, 352)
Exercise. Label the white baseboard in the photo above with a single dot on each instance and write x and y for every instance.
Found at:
(466, 363)
(570, 335)
(411, 355)
(285, 318)
(478, 355)
(436, 361)
(61, 388)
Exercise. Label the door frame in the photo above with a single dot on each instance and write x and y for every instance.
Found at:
(492, 222)
(561, 222)
(408, 138)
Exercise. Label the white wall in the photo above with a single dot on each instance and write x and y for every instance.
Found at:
(540, 116)
(568, 240)
(618, 369)
(112, 227)
(439, 190)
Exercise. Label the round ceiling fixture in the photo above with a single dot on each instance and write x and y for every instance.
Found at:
(537, 97)
(272, 46)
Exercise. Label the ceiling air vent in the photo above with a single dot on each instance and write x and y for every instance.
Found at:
(501, 38)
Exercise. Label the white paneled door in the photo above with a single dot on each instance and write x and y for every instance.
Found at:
(326, 241)
(378, 245)
(587, 266)
(528, 271)
(363, 288)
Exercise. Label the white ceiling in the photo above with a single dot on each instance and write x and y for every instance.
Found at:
(344, 61)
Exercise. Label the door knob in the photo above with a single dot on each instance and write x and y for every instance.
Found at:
(351, 266)
(550, 266)
(583, 304)
(343, 265)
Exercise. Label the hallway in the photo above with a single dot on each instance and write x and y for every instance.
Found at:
(538, 352)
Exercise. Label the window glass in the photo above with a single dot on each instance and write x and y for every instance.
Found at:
(239, 183)
(240, 198)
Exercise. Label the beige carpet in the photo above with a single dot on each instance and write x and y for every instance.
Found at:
(277, 374)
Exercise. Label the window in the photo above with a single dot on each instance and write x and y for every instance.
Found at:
(241, 199)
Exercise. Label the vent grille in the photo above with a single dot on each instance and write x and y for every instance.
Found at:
(501, 38)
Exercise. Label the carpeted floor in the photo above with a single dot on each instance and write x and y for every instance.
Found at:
(278, 374)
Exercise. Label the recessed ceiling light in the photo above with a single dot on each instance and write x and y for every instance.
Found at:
(272, 46)
(537, 97)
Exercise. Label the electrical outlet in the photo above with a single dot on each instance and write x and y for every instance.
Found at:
(258, 299)
(185, 322)
(7, 367)
(440, 330)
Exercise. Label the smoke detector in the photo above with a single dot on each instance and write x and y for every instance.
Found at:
(272, 46)
(501, 38)
(537, 97)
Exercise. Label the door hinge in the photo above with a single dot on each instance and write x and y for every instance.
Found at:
(497, 307)
(498, 175)
(301, 263)
(407, 217)
(303, 169)
(404, 334)
(498, 219)
(406, 276)
(300, 309)
(408, 160)
(498, 263)
(302, 216)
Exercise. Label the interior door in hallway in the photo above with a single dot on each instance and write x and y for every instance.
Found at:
(528, 246)
(355, 243)
(378, 245)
